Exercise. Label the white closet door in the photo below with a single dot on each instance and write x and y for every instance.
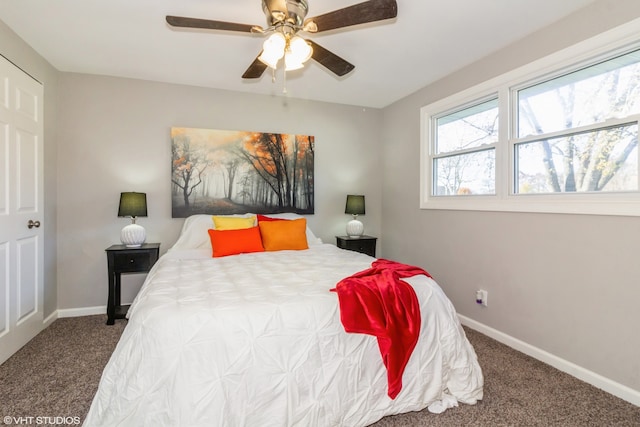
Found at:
(21, 208)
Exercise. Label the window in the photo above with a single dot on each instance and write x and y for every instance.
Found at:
(464, 158)
(572, 140)
(565, 141)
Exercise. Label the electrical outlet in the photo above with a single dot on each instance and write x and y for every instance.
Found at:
(482, 297)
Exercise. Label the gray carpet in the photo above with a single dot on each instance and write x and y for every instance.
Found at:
(57, 374)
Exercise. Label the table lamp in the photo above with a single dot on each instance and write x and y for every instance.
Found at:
(355, 207)
(133, 205)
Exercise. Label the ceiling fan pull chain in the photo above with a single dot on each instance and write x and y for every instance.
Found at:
(284, 80)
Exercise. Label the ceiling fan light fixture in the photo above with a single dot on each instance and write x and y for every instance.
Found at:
(270, 61)
(300, 49)
(273, 49)
(297, 53)
(291, 64)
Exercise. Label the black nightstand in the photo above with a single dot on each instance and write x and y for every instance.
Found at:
(122, 259)
(363, 244)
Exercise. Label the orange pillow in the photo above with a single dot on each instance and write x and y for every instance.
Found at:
(233, 242)
(282, 235)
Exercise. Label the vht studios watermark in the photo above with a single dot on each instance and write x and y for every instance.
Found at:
(47, 421)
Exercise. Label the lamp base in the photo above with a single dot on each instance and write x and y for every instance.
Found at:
(355, 228)
(133, 236)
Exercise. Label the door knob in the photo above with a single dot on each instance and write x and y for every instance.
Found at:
(33, 223)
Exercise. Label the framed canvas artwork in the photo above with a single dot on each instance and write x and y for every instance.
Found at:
(225, 172)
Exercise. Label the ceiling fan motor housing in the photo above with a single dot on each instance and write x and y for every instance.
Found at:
(290, 13)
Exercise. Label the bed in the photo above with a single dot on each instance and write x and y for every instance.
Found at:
(255, 339)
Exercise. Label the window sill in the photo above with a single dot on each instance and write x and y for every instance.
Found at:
(606, 204)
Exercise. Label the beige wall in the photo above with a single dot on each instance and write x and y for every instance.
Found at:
(566, 284)
(18, 52)
(114, 136)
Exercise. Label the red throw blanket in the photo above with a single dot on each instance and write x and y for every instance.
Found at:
(376, 302)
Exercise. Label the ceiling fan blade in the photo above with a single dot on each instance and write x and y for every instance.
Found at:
(330, 60)
(368, 11)
(255, 70)
(179, 21)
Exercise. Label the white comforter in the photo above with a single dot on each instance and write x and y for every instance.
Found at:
(256, 340)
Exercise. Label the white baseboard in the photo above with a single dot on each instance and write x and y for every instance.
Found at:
(596, 380)
(50, 319)
(84, 311)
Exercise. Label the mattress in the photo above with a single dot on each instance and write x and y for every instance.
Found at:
(256, 340)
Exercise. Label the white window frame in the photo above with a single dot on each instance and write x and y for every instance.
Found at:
(620, 39)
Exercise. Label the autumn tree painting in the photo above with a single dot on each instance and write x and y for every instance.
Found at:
(226, 172)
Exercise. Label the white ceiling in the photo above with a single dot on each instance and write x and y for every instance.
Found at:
(129, 38)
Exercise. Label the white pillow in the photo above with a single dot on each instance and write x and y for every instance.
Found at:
(194, 233)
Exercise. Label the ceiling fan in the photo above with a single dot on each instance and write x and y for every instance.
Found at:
(285, 18)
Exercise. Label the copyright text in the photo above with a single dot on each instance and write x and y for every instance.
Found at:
(47, 421)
